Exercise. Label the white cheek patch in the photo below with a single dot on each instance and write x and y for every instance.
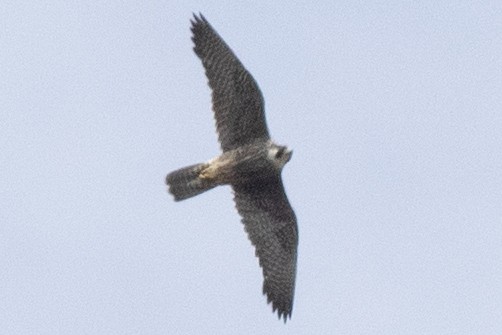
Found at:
(271, 153)
(278, 162)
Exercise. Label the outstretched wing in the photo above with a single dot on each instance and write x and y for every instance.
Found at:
(237, 101)
(271, 226)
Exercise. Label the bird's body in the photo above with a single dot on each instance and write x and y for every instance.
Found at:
(246, 164)
(251, 163)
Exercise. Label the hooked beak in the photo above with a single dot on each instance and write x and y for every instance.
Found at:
(289, 153)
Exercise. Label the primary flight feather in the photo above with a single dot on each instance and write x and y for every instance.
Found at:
(251, 163)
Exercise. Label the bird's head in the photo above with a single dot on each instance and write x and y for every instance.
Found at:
(279, 155)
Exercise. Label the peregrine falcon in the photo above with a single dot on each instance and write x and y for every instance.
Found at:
(251, 163)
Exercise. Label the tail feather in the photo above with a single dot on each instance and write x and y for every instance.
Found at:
(186, 183)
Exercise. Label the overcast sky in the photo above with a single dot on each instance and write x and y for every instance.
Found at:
(394, 113)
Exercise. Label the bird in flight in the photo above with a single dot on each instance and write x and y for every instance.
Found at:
(251, 163)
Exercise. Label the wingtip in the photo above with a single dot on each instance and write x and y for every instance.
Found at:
(285, 316)
(194, 20)
(197, 18)
(198, 21)
(282, 313)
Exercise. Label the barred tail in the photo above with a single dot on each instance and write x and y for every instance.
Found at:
(185, 182)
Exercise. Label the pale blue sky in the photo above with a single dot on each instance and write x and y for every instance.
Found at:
(394, 113)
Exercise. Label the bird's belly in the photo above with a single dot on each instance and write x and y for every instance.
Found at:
(234, 169)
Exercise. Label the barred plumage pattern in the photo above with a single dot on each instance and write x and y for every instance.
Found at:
(237, 101)
(251, 164)
(270, 223)
(185, 182)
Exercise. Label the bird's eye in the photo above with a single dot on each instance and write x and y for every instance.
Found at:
(279, 153)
